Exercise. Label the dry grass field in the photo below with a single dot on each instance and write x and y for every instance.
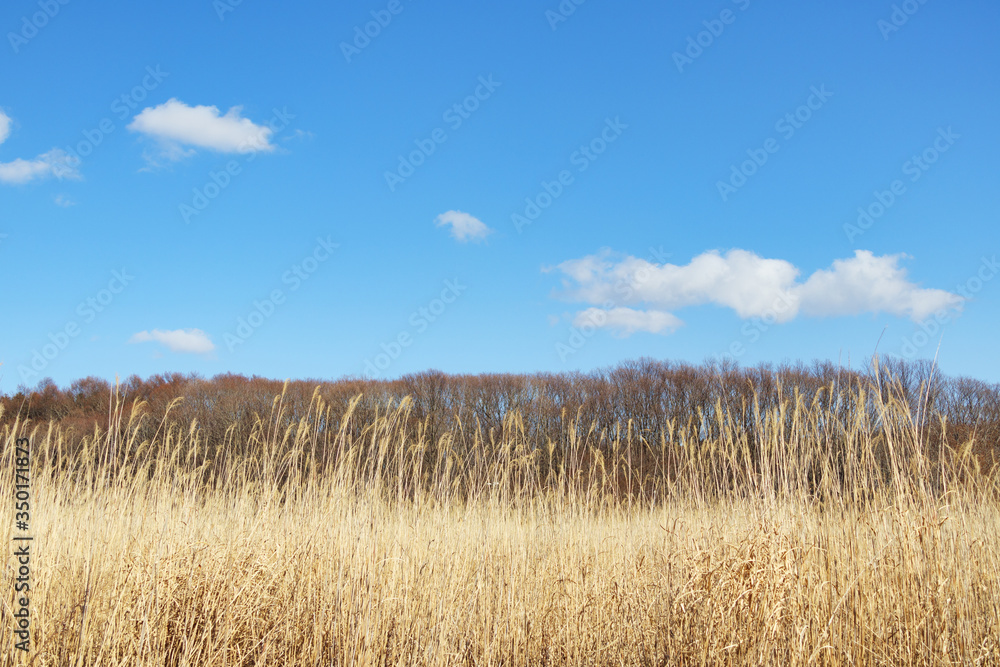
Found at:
(809, 540)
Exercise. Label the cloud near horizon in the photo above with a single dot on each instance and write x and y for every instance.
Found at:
(464, 227)
(629, 294)
(179, 129)
(55, 162)
(192, 341)
(626, 321)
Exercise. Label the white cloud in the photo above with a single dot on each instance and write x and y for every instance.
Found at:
(866, 283)
(178, 127)
(64, 201)
(750, 285)
(55, 162)
(626, 321)
(5, 123)
(739, 280)
(464, 227)
(181, 340)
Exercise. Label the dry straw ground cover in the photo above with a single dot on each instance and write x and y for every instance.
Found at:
(811, 538)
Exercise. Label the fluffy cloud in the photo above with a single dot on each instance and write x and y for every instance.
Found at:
(739, 280)
(750, 285)
(181, 340)
(5, 123)
(464, 227)
(55, 162)
(626, 321)
(178, 127)
(866, 283)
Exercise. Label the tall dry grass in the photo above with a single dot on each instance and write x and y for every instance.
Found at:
(815, 538)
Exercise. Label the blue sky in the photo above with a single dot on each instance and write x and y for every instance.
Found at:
(208, 187)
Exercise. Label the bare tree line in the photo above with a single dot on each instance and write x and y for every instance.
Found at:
(647, 397)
